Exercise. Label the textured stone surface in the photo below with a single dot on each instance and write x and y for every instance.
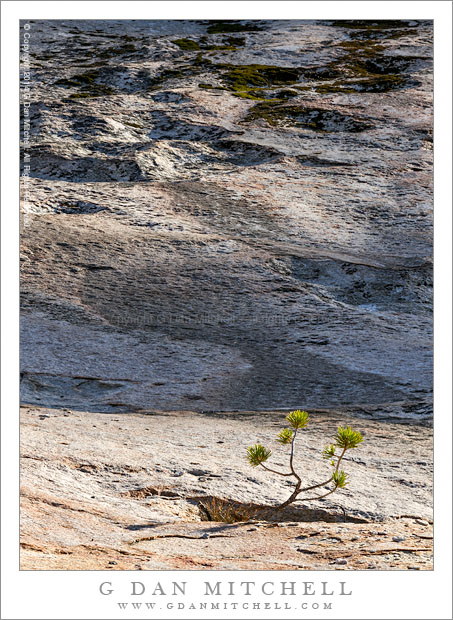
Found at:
(222, 221)
(263, 243)
(128, 489)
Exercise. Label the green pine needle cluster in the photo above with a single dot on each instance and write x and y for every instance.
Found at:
(340, 479)
(285, 436)
(257, 454)
(346, 438)
(329, 452)
(298, 419)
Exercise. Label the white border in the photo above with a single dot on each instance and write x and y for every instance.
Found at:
(46, 594)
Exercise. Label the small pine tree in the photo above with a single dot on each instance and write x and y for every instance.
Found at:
(345, 439)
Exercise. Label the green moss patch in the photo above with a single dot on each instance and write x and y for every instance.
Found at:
(366, 47)
(363, 68)
(253, 95)
(376, 29)
(86, 82)
(286, 93)
(242, 77)
(235, 41)
(385, 65)
(328, 72)
(111, 52)
(186, 44)
(82, 79)
(380, 84)
(277, 114)
(266, 95)
(246, 81)
(197, 65)
(215, 48)
(225, 26)
(168, 74)
(227, 44)
(98, 90)
(373, 24)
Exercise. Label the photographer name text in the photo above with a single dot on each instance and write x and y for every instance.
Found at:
(141, 593)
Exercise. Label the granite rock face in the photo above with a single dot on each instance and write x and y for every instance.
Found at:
(229, 216)
(139, 491)
(221, 221)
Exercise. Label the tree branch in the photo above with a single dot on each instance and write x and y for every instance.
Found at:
(309, 499)
(274, 471)
(321, 484)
